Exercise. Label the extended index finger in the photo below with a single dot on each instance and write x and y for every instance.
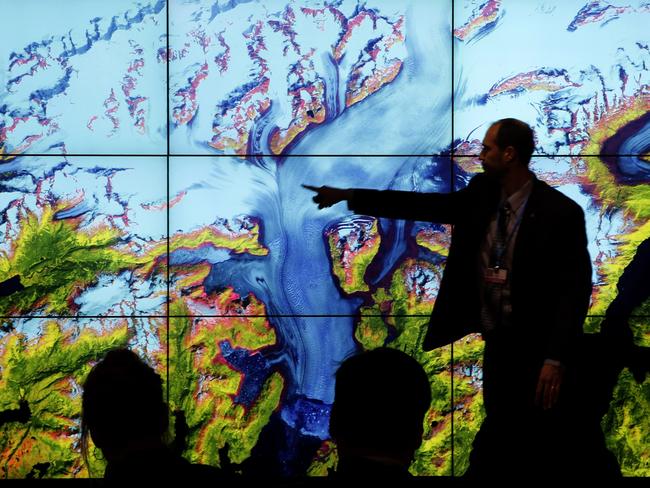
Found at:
(310, 187)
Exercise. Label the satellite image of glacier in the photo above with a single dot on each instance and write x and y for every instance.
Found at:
(152, 154)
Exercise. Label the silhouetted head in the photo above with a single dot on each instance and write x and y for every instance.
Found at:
(122, 405)
(381, 398)
(507, 143)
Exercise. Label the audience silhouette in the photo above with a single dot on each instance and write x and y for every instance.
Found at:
(633, 290)
(381, 398)
(602, 358)
(124, 413)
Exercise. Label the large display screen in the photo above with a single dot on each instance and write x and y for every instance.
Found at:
(151, 161)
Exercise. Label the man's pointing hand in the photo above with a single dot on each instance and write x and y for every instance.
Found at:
(326, 196)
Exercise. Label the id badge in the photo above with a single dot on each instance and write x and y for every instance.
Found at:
(498, 276)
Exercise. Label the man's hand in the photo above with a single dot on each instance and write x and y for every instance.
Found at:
(326, 196)
(548, 385)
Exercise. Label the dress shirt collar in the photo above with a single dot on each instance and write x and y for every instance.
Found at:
(519, 198)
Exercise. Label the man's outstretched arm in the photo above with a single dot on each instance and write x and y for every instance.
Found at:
(393, 204)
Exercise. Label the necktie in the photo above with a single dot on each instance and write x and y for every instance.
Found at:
(492, 311)
(500, 242)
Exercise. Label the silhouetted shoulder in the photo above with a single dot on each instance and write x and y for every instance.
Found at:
(556, 202)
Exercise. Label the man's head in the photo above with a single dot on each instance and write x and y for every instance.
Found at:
(381, 398)
(122, 403)
(508, 144)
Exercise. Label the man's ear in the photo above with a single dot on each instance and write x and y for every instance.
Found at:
(509, 154)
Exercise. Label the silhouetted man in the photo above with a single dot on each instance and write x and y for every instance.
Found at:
(519, 272)
(633, 289)
(603, 358)
(124, 413)
(380, 400)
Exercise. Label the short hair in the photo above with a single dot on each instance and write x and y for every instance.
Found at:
(381, 398)
(519, 135)
(122, 400)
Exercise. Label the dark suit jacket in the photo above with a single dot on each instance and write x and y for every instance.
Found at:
(551, 275)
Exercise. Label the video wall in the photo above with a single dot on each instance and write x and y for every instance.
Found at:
(151, 160)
